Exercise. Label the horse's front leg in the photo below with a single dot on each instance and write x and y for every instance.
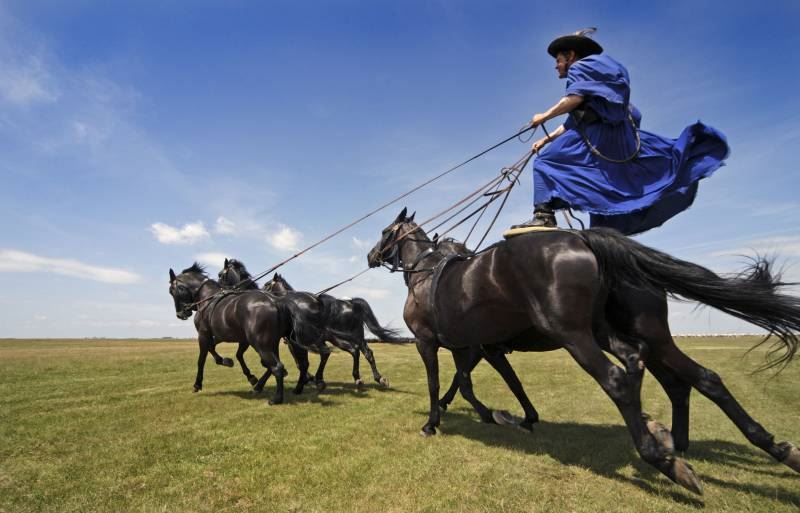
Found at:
(464, 359)
(219, 360)
(428, 350)
(205, 341)
(300, 356)
(497, 359)
(447, 398)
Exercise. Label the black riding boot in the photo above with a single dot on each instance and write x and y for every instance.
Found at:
(543, 216)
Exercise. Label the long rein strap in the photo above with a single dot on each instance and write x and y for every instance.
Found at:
(391, 202)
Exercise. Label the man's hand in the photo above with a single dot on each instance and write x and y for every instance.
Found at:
(538, 119)
(538, 145)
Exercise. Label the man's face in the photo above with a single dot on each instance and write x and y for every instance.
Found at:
(563, 61)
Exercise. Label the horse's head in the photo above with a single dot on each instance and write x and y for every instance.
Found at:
(233, 273)
(184, 288)
(388, 249)
(277, 285)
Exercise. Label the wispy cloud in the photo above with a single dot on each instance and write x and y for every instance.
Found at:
(286, 239)
(26, 82)
(190, 233)
(225, 226)
(19, 261)
(361, 244)
(214, 260)
(784, 246)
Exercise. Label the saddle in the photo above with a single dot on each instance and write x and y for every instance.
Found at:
(513, 232)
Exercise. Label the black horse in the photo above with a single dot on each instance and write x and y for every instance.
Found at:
(348, 316)
(342, 320)
(228, 278)
(626, 349)
(249, 317)
(552, 289)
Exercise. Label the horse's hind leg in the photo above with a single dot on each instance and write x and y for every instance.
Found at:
(497, 359)
(245, 369)
(710, 385)
(621, 389)
(678, 392)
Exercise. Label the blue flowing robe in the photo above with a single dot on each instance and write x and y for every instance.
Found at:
(633, 196)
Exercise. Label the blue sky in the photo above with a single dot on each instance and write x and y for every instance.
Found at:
(139, 136)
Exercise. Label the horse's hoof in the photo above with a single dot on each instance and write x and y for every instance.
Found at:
(427, 431)
(792, 459)
(660, 432)
(384, 382)
(196, 389)
(527, 425)
(227, 362)
(359, 384)
(297, 391)
(503, 418)
(443, 406)
(684, 475)
(253, 380)
(321, 385)
(274, 402)
(257, 390)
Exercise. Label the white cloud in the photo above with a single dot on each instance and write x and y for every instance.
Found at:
(285, 239)
(368, 292)
(25, 83)
(225, 226)
(214, 260)
(782, 246)
(191, 233)
(18, 261)
(361, 244)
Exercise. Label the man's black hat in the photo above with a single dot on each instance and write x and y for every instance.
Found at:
(578, 42)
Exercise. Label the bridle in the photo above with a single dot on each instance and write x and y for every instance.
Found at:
(187, 309)
(393, 262)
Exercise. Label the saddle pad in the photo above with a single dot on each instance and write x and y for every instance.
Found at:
(512, 232)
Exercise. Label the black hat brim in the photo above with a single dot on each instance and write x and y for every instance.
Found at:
(581, 44)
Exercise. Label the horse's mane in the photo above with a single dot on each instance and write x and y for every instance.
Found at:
(283, 281)
(240, 268)
(195, 268)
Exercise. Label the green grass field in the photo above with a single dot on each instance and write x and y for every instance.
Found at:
(95, 425)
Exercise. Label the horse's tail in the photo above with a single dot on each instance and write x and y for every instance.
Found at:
(367, 316)
(302, 330)
(753, 296)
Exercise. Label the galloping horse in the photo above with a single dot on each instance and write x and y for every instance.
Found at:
(555, 289)
(250, 317)
(347, 316)
(342, 320)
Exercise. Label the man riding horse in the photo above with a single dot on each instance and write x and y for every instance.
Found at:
(600, 162)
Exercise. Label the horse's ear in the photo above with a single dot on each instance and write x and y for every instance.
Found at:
(171, 275)
(411, 217)
(226, 263)
(402, 216)
(275, 277)
(435, 237)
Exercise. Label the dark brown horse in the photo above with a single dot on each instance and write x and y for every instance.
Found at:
(248, 317)
(552, 289)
